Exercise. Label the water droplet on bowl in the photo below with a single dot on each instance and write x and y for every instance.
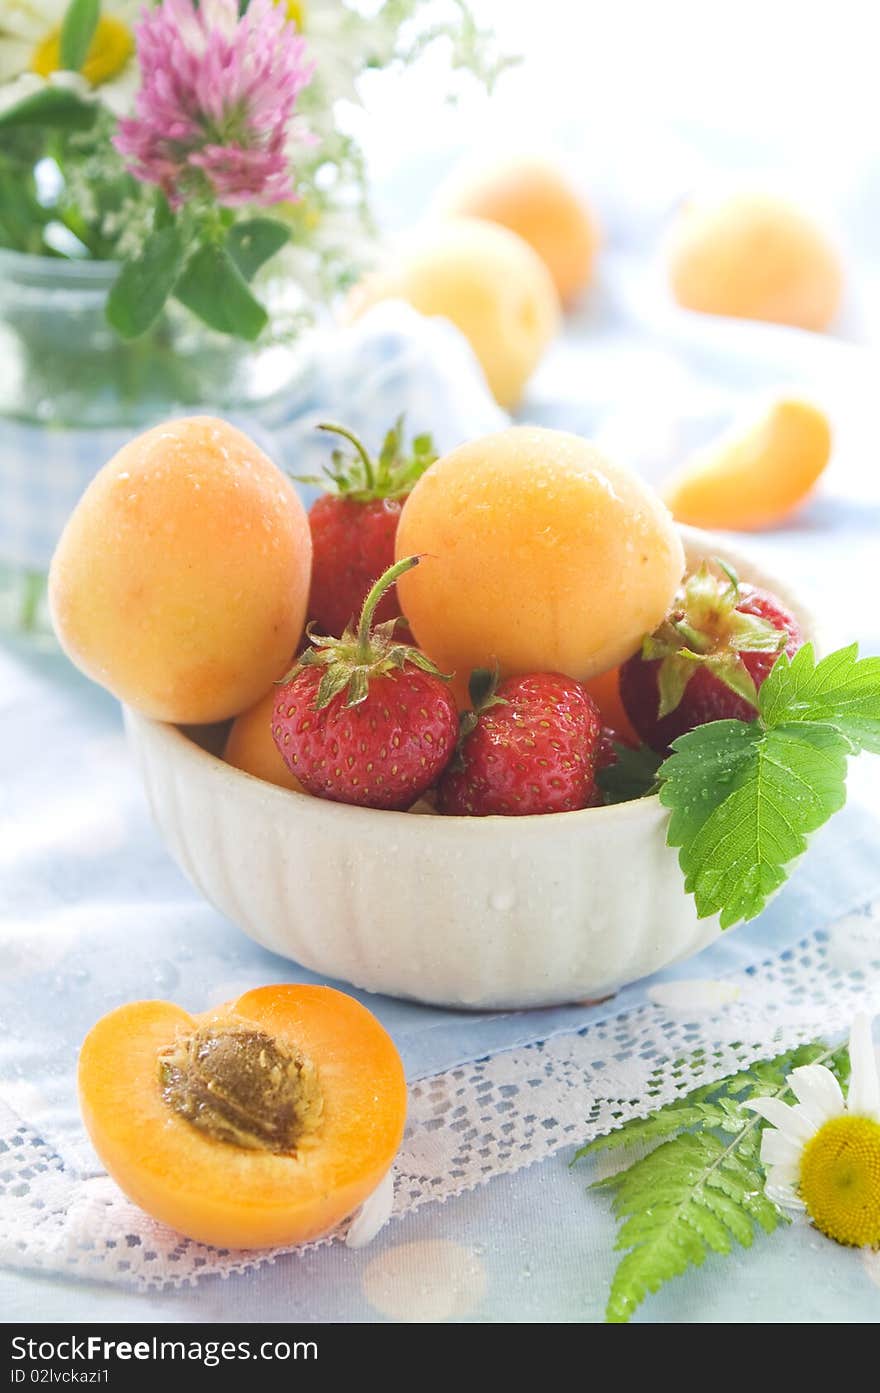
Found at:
(502, 900)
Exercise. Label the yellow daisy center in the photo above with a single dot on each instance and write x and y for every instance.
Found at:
(296, 10)
(111, 47)
(840, 1180)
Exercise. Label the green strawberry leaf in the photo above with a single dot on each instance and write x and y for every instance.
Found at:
(254, 242)
(77, 31)
(841, 689)
(744, 797)
(138, 295)
(213, 287)
(633, 774)
(734, 859)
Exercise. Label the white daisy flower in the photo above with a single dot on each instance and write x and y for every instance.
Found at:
(822, 1154)
(30, 33)
(27, 84)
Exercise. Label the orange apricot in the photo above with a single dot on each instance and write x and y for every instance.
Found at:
(754, 256)
(540, 555)
(181, 579)
(489, 283)
(533, 199)
(249, 745)
(605, 691)
(264, 1122)
(754, 477)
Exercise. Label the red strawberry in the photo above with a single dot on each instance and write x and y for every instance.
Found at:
(606, 755)
(363, 718)
(528, 747)
(354, 525)
(708, 659)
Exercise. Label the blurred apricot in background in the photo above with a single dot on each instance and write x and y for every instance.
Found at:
(488, 282)
(754, 256)
(532, 198)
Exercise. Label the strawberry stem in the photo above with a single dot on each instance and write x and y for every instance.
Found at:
(385, 581)
(695, 638)
(358, 445)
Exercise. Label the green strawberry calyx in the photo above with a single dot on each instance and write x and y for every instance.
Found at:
(362, 478)
(483, 693)
(363, 652)
(705, 629)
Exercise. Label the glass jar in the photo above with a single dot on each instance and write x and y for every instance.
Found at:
(72, 393)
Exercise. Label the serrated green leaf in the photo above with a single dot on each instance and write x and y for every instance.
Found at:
(77, 31)
(748, 808)
(214, 289)
(138, 295)
(254, 242)
(706, 765)
(841, 690)
(52, 108)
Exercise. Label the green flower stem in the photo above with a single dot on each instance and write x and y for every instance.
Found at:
(34, 582)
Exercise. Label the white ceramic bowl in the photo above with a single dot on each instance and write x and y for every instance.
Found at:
(467, 912)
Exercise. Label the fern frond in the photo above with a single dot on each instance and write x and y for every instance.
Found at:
(672, 1117)
(701, 1190)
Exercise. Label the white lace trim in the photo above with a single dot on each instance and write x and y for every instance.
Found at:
(481, 1120)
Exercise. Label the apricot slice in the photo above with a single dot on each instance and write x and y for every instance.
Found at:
(755, 477)
(181, 579)
(249, 745)
(754, 256)
(489, 283)
(533, 199)
(264, 1122)
(540, 555)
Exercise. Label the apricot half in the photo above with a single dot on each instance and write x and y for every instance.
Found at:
(533, 199)
(262, 1123)
(754, 477)
(540, 555)
(754, 256)
(249, 745)
(489, 283)
(181, 579)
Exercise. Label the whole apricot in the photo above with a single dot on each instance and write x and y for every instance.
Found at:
(533, 199)
(605, 691)
(755, 475)
(249, 745)
(489, 283)
(754, 256)
(181, 579)
(263, 1122)
(540, 555)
